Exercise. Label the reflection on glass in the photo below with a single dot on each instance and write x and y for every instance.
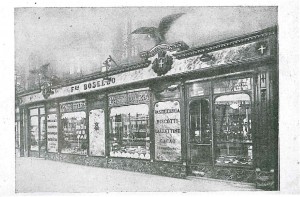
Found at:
(34, 133)
(200, 134)
(74, 133)
(129, 132)
(233, 129)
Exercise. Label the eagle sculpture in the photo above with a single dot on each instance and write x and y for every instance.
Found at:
(158, 33)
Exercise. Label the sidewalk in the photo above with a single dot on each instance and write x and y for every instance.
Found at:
(39, 175)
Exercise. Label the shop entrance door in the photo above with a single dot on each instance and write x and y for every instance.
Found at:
(199, 132)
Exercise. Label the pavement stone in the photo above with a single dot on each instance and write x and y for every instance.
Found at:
(40, 175)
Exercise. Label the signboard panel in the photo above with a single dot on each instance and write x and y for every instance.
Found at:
(52, 131)
(167, 131)
(97, 132)
(72, 106)
(130, 98)
(233, 85)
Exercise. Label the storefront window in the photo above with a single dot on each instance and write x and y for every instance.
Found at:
(129, 132)
(74, 133)
(233, 130)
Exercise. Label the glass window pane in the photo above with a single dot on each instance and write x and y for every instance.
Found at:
(129, 132)
(233, 129)
(199, 131)
(199, 89)
(34, 133)
(74, 139)
(200, 153)
(200, 122)
(34, 112)
(42, 110)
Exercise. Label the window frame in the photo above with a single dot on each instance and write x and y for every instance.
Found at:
(215, 96)
(110, 128)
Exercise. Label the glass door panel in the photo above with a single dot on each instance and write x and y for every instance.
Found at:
(199, 131)
(34, 133)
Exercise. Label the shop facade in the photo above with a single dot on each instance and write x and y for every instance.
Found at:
(209, 111)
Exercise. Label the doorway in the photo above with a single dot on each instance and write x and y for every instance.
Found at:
(199, 131)
(37, 132)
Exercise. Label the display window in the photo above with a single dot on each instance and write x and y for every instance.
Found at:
(129, 134)
(232, 117)
(74, 139)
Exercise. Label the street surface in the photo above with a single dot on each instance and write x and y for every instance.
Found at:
(39, 175)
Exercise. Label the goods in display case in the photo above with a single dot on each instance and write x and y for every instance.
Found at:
(233, 130)
(74, 132)
(129, 132)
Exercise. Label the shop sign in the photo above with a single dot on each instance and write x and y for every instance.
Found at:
(97, 132)
(52, 137)
(232, 85)
(72, 107)
(167, 131)
(96, 84)
(129, 98)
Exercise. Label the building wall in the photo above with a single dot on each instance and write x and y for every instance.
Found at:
(261, 69)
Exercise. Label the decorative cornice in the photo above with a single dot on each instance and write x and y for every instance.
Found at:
(96, 75)
(182, 52)
(114, 71)
(227, 43)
